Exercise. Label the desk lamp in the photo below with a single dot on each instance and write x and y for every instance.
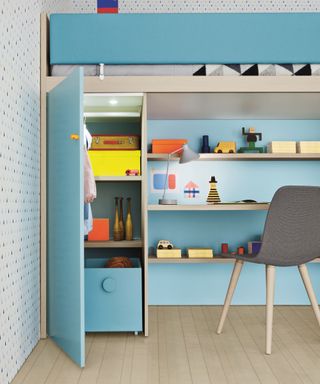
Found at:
(187, 155)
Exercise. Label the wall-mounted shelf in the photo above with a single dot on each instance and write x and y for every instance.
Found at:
(118, 178)
(186, 260)
(114, 244)
(240, 156)
(213, 207)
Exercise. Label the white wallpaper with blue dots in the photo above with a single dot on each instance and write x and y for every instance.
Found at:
(20, 179)
(152, 6)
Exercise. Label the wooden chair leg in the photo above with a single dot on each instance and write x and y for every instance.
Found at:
(232, 285)
(270, 280)
(312, 297)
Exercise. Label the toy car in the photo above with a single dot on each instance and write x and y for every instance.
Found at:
(225, 147)
(132, 172)
(164, 244)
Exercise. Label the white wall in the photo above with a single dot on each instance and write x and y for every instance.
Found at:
(19, 179)
(131, 6)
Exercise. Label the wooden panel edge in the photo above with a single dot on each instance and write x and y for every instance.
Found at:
(44, 68)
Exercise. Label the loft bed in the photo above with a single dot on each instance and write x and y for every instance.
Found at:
(185, 41)
(221, 52)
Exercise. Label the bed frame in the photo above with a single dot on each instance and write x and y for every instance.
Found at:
(147, 84)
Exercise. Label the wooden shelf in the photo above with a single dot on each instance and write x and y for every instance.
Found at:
(118, 178)
(186, 260)
(114, 244)
(129, 84)
(213, 207)
(240, 156)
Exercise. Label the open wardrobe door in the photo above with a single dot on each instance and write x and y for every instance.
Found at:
(65, 254)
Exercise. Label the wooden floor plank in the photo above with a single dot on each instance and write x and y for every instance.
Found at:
(257, 359)
(176, 354)
(183, 347)
(29, 363)
(196, 359)
(282, 369)
(44, 364)
(59, 365)
(211, 353)
(238, 362)
(113, 359)
(284, 342)
(298, 346)
(145, 365)
(94, 358)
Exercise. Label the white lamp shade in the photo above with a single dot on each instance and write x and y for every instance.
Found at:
(188, 155)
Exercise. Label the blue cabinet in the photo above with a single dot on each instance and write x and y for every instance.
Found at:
(113, 297)
(80, 299)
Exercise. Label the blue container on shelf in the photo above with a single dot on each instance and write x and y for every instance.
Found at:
(113, 297)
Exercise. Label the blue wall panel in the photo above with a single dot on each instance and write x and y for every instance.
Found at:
(205, 283)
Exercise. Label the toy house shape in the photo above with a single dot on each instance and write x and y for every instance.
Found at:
(191, 190)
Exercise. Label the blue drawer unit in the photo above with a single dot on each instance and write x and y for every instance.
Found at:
(113, 297)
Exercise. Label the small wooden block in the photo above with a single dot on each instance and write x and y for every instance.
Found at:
(169, 253)
(200, 253)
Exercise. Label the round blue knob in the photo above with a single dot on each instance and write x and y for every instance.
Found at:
(109, 284)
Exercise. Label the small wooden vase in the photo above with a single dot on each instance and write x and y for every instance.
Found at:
(121, 223)
(116, 226)
(129, 229)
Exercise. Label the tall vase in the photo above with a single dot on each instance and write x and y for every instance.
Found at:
(116, 226)
(129, 229)
(121, 224)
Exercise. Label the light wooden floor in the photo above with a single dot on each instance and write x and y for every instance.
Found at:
(184, 348)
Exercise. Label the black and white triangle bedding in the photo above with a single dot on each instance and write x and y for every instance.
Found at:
(194, 70)
(259, 70)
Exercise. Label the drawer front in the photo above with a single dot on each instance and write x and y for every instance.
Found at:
(113, 299)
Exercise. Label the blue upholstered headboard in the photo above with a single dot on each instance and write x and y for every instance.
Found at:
(184, 38)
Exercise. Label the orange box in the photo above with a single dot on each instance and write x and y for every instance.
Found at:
(100, 231)
(167, 145)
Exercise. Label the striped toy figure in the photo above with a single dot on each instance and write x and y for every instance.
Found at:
(213, 195)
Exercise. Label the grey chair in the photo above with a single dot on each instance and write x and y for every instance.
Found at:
(291, 238)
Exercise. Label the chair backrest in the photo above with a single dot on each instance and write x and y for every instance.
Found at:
(292, 229)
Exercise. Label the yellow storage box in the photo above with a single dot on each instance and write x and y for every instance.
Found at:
(114, 163)
(174, 253)
(308, 147)
(203, 253)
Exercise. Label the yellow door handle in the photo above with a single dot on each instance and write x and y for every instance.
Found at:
(73, 136)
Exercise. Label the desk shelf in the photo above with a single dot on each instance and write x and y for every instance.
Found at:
(240, 156)
(114, 244)
(118, 178)
(213, 207)
(186, 260)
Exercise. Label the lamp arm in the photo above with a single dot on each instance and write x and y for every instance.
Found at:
(167, 171)
(166, 179)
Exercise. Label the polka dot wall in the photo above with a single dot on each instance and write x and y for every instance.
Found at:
(152, 6)
(219, 6)
(19, 179)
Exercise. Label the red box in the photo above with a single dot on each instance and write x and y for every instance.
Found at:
(167, 145)
(100, 230)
